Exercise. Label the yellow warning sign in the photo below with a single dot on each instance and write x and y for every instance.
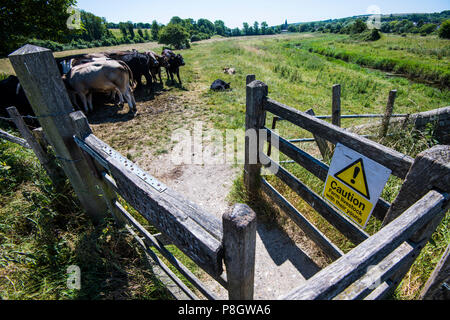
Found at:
(354, 184)
(354, 176)
(350, 202)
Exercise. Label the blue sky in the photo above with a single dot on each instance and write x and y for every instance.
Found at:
(235, 12)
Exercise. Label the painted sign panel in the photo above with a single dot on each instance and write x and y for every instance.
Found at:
(354, 184)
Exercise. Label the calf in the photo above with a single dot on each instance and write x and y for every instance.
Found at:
(100, 76)
(175, 61)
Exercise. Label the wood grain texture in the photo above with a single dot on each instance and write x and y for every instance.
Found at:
(255, 119)
(396, 161)
(197, 233)
(431, 169)
(388, 113)
(324, 148)
(331, 250)
(316, 167)
(336, 219)
(336, 106)
(239, 241)
(9, 137)
(434, 288)
(332, 280)
(41, 80)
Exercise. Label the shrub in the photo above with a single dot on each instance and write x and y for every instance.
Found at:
(444, 30)
(174, 35)
(428, 28)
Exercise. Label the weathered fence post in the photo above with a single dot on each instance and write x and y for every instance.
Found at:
(438, 285)
(250, 78)
(336, 105)
(53, 170)
(239, 241)
(431, 169)
(388, 113)
(40, 78)
(254, 121)
(324, 148)
(82, 130)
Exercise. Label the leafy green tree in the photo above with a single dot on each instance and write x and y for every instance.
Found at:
(174, 35)
(146, 35)
(220, 27)
(176, 20)
(123, 29)
(236, 32)
(24, 19)
(206, 26)
(246, 28)
(444, 30)
(358, 26)
(130, 28)
(264, 27)
(256, 28)
(428, 28)
(155, 30)
(292, 28)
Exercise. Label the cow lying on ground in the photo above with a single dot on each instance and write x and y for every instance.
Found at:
(220, 85)
(229, 71)
(100, 76)
(175, 61)
(13, 95)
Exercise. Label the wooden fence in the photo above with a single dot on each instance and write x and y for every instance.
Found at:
(100, 175)
(408, 222)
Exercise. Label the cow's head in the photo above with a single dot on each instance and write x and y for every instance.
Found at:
(179, 60)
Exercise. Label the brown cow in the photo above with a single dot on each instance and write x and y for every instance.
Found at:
(100, 76)
(158, 62)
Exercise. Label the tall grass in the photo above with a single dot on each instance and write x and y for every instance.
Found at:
(44, 231)
(392, 54)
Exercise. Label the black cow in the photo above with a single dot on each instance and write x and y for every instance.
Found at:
(220, 85)
(174, 61)
(139, 64)
(13, 95)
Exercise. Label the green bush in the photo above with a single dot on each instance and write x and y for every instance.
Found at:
(174, 35)
(444, 30)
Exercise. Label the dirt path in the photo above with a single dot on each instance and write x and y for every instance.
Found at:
(282, 264)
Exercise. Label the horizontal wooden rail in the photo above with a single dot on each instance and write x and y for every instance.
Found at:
(337, 220)
(396, 161)
(152, 241)
(332, 280)
(185, 293)
(309, 229)
(193, 231)
(14, 139)
(356, 116)
(316, 167)
(380, 273)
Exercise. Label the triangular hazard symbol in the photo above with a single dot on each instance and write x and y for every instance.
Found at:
(355, 177)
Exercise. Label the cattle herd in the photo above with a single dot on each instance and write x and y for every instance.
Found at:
(116, 74)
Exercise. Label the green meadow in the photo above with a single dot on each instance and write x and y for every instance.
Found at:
(300, 70)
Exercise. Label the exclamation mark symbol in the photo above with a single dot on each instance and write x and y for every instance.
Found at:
(355, 174)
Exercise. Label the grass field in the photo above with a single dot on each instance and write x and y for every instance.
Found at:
(33, 264)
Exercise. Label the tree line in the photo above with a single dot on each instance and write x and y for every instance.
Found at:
(44, 23)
